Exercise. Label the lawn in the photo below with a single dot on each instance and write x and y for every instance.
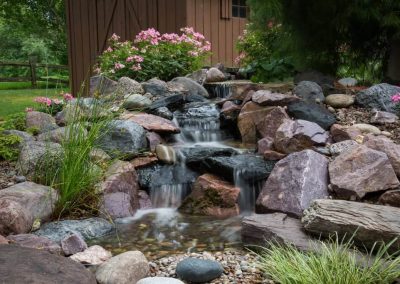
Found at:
(14, 97)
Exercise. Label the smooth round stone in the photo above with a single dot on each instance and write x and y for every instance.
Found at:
(367, 128)
(198, 270)
(339, 100)
(159, 280)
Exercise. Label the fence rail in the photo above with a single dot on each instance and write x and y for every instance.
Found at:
(33, 66)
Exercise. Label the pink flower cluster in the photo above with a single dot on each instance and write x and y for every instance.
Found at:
(239, 59)
(150, 35)
(68, 97)
(396, 98)
(43, 100)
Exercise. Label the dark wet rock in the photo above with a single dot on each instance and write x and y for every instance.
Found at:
(293, 136)
(152, 122)
(88, 228)
(122, 137)
(361, 170)
(341, 133)
(155, 87)
(251, 167)
(125, 268)
(339, 100)
(73, 244)
(194, 88)
(258, 229)
(35, 242)
(383, 117)
(41, 121)
(391, 198)
(325, 81)
(198, 270)
(294, 183)
(22, 204)
(102, 85)
(312, 112)
(378, 97)
(42, 267)
(195, 155)
(310, 92)
(164, 112)
(175, 101)
(212, 196)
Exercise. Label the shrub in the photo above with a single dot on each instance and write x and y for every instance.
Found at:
(332, 263)
(51, 106)
(9, 147)
(15, 121)
(259, 54)
(154, 55)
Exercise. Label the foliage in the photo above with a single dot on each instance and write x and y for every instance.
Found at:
(154, 55)
(9, 147)
(259, 54)
(15, 121)
(332, 263)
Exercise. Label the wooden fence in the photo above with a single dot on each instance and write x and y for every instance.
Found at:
(33, 66)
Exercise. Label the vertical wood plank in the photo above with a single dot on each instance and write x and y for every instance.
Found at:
(199, 27)
(191, 13)
(215, 20)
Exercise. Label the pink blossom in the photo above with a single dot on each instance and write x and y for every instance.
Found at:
(68, 97)
(115, 37)
(396, 98)
(28, 109)
(109, 49)
(193, 53)
(138, 58)
(118, 66)
(136, 67)
(239, 59)
(43, 100)
(188, 30)
(130, 59)
(57, 101)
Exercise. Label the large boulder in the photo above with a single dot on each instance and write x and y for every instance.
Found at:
(62, 134)
(198, 270)
(25, 136)
(294, 183)
(268, 98)
(27, 265)
(127, 86)
(257, 229)
(101, 85)
(91, 228)
(152, 122)
(293, 136)
(194, 88)
(365, 223)
(271, 122)
(155, 87)
(122, 137)
(249, 118)
(378, 97)
(212, 196)
(35, 242)
(22, 204)
(310, 92)
(125, 268)
(312, 112)
(361, 170)
(120, 190)
(41, 121)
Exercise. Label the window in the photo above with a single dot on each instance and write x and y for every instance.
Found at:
(239, 8)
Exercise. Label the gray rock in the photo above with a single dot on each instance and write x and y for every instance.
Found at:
(22, 204)
(348, 82)
(127, 86)
(163, 112)
(89, 229)
(122, 137)
(136, 102)
(215, 75)
(312, 112)
(310, 92)
(326, 82)
(26, 265)
(19, 179)
(159, 280)
(73, 244)
(194, 88)
(102, 85)
(339, 100)
(198, 270)
(378, 97)
(383, 117)
(125, 268)
(155, 87)
(62, 134)
(41, 121)
(199, 76)
(193, 156)
(340, 147)
(35, 242)
(294, 183)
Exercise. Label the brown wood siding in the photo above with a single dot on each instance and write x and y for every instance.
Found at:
(214, 19)
(92, 22)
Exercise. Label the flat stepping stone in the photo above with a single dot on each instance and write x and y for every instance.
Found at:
(153, 123)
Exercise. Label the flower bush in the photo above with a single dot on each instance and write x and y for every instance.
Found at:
(259, 54)
(152, 54)
(51, 106)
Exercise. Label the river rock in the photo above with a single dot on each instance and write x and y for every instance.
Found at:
(325, 81)
(35, 242)
(125, 268)
(378, 97)
(294, 183)
(387, 146)
(120, 190)
(249, 118)
(264, 145)
(339, 100)
(26, 265)
(391, 198)
(310, 92)
(383, 117)
(136, 102)
(22, 204)
(152, 123)
(198, 270)
(365, 223)
(341, 133)
(268, 98)
(212, 196)
(348, 82)
(215, 75)
(257, 229)
(73, 244)
(122, 137)
(91, 228)
(94, 255)
(293, 136)
(194, 88)
(252, 168)
(271, 122)
(340, 147)
(312, 112)
(367, 128)
(361, 170)
(127, 86)
(159, 280)
(41, 121)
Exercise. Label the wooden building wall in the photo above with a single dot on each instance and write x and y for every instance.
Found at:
(213, 18)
